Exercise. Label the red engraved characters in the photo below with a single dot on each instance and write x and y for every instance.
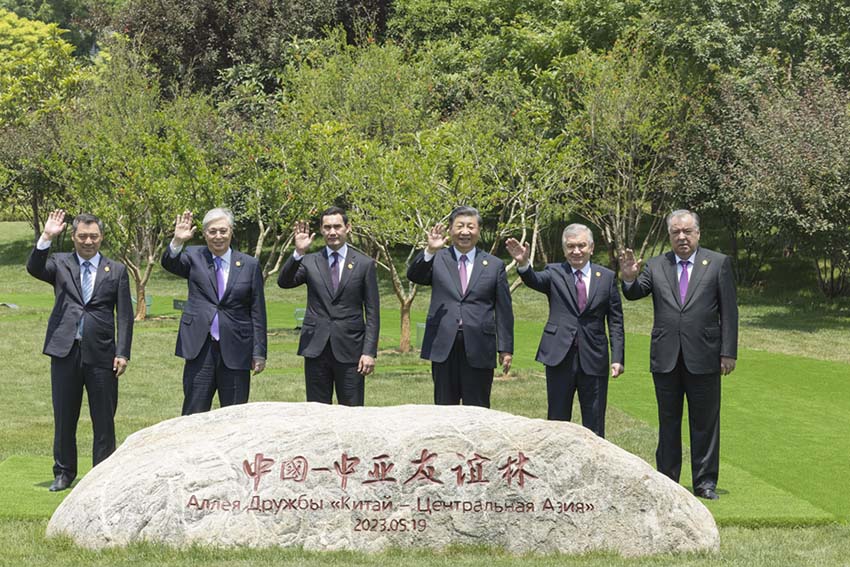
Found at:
(515, 468)
(424, 469)
(294, 469)
(262, 466)
(380, 470)
(476, 470)
(345, 467)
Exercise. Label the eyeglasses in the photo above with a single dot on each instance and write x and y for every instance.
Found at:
(214, 231)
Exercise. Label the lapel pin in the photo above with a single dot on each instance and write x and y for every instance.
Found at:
(705, 262)
(238, 263)
(351, 266)
(485, 262)
(106, 269)
(598, 274)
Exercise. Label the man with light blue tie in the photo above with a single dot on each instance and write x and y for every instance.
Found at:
(91, 292)
(694, 342)
(222, 333)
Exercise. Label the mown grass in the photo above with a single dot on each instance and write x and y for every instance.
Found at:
(785, 443)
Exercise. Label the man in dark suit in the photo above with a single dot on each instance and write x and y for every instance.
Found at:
(471, 315)
(222, 332)
(91, 292)
(339, 335)
(574, 347)
(694, 341)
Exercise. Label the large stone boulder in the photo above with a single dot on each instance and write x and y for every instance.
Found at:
(332, 477)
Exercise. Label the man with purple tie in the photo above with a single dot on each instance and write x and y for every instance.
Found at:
(470, 318)
(339, 335)
(583, 297)
(222, 331)
(694, 342)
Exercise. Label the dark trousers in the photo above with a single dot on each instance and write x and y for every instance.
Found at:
(455, 380)
(562, 382)
(703, 394)
(68, 377)
(206, 374)
(324, 373)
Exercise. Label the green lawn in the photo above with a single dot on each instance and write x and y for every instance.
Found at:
(785, 442)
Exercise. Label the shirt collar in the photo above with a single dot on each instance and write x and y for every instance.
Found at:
(95, 260)
(343, 251)
(470, 256)
(585, 271)
(690, 258)
(225, 258)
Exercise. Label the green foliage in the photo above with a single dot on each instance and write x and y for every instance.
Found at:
(136, 160)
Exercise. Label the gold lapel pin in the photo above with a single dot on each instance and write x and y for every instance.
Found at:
(238, 263)
(598, 274)
(705, 262)
(485, 262)
(106, 269)
(351, 266)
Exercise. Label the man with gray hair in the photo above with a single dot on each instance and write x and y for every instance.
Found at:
(694, 342)
(222, 332)
(583, 297)
(471, 315)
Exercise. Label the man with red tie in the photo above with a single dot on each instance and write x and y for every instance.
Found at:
(583, 297)
(222, 332)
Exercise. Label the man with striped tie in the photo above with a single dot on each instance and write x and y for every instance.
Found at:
(91, 292)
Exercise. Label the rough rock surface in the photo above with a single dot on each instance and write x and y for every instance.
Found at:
(331, 477)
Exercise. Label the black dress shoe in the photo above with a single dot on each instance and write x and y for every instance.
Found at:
(61, 482)
(707, 493)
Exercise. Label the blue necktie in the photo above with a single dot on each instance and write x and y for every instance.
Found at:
(219, 281)
(87, 289)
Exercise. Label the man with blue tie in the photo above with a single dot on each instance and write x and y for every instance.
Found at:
(583, 297)
(470, 317)
(222, 332)
(91, 292)
(339, 335)
(694, 342)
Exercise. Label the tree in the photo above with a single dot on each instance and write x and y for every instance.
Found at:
(38, 75)
(136, 160)
(623, 111)
(792, 168)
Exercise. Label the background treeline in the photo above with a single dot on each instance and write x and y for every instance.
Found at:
(609, 111)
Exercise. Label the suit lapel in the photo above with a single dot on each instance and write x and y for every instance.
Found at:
(570, 280)
(236, 265)
(594, 286)
(450, 261)
(74, 267)
(211, 271)
(670, 272)
(697, 272)
(103, 271)
(325, 270)
(478, 268)
(347, 268)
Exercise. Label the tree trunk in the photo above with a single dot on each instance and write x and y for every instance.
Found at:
(141, 306)
(404, 342)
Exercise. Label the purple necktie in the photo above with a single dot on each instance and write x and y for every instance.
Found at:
(683, 281)
(335, 271)
(463, 276)
(219, 281)
(582, 291)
